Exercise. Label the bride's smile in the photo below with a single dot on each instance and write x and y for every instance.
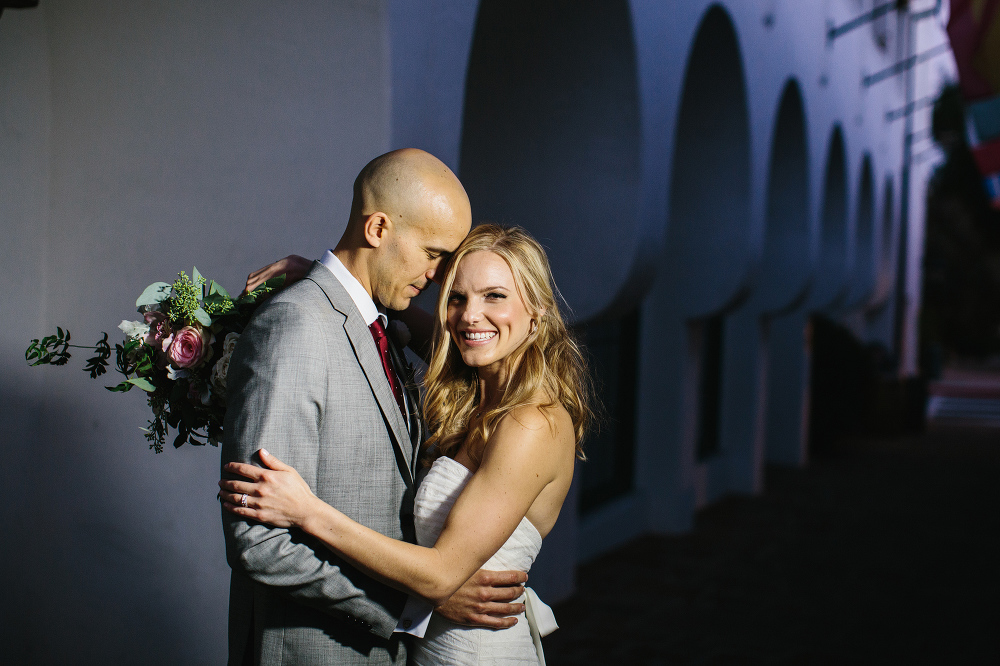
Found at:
(487, 317)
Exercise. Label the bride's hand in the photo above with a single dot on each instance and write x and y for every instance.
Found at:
(293, 267)
(275, 495)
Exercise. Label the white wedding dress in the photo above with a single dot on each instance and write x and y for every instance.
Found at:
(449, 643)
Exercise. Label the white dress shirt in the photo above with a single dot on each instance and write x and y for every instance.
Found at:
(358, 294)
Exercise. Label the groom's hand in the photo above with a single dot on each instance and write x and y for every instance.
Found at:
(485, 600)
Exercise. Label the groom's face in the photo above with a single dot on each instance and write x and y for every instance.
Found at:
(411, 258)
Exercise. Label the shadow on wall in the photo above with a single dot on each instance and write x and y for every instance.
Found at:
(17, 4)
(19, 473)
(117, 553)
(550, 136)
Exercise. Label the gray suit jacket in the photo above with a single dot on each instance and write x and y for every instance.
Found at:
(306, 383)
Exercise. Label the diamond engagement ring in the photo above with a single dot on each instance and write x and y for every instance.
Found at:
(243, 500)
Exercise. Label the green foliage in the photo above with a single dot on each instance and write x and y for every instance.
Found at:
(156, 433)
(185, 306)
(184, 400)
(54, 350)
(153, 294)
(274, 284)
(98, 364)
(142, 383)
(50, 350)
(217, 304)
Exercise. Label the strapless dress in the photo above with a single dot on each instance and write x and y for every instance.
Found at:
(449, 643)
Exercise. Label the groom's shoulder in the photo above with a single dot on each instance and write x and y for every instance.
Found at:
(317, 288)
(307, 299)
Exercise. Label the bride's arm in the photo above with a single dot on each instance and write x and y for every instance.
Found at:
(524, 455)
(293, 267)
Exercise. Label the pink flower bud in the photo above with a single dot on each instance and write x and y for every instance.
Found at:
(159, 328)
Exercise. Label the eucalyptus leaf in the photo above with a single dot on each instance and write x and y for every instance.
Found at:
(203, 317)
(276, 282)
(197, 277)
(142, 383)
(217, 288)
(153, 294)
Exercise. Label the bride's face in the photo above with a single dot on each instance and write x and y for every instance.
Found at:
(487, 317)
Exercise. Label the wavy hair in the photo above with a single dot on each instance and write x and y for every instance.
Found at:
(548, 363)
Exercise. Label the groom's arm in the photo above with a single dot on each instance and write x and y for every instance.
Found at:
(276, 384)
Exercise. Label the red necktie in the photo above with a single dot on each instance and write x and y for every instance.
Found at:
(382, 342)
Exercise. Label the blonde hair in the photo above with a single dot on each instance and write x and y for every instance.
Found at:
(548, 363)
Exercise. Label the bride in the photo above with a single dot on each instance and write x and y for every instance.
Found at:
(507, 404)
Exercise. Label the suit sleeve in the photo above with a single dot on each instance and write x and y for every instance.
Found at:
(276, 389)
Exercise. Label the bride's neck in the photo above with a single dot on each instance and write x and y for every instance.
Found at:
(492, 383)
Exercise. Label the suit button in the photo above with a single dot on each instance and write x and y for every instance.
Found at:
(407, 623)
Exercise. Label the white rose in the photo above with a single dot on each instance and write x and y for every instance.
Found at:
(134, 330)
(229, 344)
(221, 369)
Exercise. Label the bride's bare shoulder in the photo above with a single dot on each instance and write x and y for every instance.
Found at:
(539, 420)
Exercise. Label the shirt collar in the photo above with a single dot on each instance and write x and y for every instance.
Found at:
(365, 304)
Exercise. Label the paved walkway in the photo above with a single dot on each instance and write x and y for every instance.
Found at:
(885, 552)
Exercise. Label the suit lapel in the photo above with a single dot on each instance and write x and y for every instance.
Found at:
(368, 358)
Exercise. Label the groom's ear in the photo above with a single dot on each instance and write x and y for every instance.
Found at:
(375, 228)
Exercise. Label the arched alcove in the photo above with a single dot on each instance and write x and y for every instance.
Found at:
(551, 142)
(704, 273)
(830, 281)
(763, 396)
(709, 215)
(878, 316)
(550, 137)
(863, 270)
(786, 263)
(708, 230)
(836, 355)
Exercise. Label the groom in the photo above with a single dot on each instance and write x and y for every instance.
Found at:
(314, 381)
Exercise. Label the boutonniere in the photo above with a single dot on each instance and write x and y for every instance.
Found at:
(400, 335)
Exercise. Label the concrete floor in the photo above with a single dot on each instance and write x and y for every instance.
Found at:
(883, 552)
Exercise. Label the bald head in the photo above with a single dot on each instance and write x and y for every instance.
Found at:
(409, 213)
(411, 186)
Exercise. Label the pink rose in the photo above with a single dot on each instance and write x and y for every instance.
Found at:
(189, 347)
(159, 329)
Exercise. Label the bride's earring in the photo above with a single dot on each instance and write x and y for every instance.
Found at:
(534, 326)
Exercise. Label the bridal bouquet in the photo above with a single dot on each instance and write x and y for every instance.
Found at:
(178, 354)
